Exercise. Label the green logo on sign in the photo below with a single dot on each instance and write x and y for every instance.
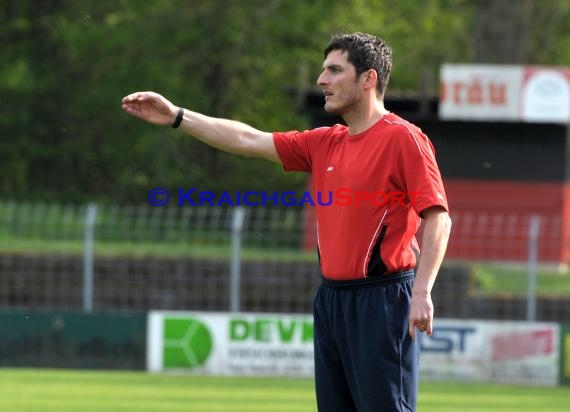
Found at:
(187, 343)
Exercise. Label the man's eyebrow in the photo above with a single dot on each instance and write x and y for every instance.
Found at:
(332, 66)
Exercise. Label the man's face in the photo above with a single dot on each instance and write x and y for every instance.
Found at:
(340, 84)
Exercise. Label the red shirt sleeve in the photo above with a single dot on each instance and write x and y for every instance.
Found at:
(418, 171)
(294, 148)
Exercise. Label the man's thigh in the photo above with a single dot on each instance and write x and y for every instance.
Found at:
(367, 348)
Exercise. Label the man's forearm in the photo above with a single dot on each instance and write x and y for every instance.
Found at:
(434, 243)
(229, 135)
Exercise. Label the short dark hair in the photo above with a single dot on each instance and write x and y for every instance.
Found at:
(365, 52)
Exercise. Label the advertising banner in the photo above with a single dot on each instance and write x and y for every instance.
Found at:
(485, 92)
(270, 344)
(491, 351)
(534, 94)
(231, 344)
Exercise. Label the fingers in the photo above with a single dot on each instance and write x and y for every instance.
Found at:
(133, 110)
(130, 103)
(130, 98)
(423, 325)
(137, 97)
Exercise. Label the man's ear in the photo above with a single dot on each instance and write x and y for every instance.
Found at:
(370, 79)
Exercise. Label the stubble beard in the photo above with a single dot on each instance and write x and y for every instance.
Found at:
(340, 110)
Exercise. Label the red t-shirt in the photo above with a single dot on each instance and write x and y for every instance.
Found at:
(377, 183)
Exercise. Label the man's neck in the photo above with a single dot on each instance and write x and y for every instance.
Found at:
(362, 118)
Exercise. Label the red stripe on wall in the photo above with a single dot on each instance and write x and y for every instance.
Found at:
(491, 220)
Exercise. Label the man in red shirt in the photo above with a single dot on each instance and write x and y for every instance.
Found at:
(374, 293)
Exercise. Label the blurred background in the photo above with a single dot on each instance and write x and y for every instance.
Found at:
(77, 232)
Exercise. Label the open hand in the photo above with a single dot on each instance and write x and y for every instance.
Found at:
(151, 107)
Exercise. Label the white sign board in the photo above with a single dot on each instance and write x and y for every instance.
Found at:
(504, 93)
(480, 92)
(546, 96)
(230, 344)
(491, 351)
(271, 344)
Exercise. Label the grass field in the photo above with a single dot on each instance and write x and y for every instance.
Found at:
(510, 280)
(28, 390)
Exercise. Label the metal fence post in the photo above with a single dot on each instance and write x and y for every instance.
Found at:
(90, 217)
(533, 230)
(237, 227)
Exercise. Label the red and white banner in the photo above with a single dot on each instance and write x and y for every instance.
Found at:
(532, 94)
(492, 351)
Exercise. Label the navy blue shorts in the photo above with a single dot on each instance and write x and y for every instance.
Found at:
(365, 359)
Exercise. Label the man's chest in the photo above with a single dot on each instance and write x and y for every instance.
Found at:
(358, 166)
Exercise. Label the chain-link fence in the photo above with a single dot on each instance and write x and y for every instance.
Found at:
(255, 259)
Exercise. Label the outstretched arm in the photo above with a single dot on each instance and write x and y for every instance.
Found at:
(227, 135)
(434, 242)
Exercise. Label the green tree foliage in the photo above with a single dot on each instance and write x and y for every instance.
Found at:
(65, 65)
